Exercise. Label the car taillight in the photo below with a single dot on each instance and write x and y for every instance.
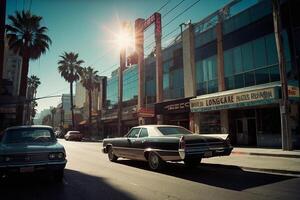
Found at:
(182, 143)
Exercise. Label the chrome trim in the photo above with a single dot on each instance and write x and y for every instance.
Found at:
(35, 164)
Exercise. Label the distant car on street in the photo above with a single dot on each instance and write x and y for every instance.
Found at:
(74, 135)
(157, 144)
(59, 134)
(26, 149)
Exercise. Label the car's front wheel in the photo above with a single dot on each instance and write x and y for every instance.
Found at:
(58, 175)
(192, 163)
(111, 156)
(155, 162)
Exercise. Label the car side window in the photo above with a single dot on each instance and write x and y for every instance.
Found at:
(144, 133)
(134, 133)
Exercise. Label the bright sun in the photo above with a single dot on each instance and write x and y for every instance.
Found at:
(123, 39)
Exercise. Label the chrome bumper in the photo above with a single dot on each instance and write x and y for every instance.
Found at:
(38, 166)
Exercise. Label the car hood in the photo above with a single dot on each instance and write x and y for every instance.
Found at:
(31, 148)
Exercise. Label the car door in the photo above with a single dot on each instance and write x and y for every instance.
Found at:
(129, 144)
(140, 144)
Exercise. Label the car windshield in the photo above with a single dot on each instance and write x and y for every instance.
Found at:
(173, 131)
(28, 136)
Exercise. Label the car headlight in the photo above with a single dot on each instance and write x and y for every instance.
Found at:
(56, 156)
(60, 155)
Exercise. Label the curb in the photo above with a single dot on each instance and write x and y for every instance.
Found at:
(266, 154)
(234, 167)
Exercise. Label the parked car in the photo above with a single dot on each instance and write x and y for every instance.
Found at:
(59, 134)
(26, 149)
(157, 144)
(74, 135)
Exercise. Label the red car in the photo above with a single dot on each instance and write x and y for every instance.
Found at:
(74, 135)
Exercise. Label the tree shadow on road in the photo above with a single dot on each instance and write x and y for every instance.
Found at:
(228, 177)
(76, 186)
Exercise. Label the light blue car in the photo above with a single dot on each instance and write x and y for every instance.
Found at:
(28, 149)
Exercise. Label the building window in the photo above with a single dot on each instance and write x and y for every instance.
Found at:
(254, 62)
(206, 76)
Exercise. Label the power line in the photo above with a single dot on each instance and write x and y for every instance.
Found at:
(182, 13)
(166, 15)
(173, 8)
(163, 6)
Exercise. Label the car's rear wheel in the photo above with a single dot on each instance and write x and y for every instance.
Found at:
(111, 156)
(58, 175)
(155, 162)
(192, 163)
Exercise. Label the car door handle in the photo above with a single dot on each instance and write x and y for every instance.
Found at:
(143, 141)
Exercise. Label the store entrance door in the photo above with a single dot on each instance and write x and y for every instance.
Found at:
(246, 131)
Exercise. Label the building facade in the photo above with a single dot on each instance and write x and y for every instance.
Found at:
(221, 75)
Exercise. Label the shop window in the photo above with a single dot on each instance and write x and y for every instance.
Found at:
(210, 123)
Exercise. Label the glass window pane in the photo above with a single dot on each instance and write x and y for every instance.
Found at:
(229, 83)
(259, 53)
(204, 68)
(202, 88)
(249, 79)
(237, 60)
(212, 86)
(274, 73)
(144, 133)
(228, 64)
(247, 56)
(271, 49)
(286, 46)
(199, 72)
(262, 76)
(239, 81)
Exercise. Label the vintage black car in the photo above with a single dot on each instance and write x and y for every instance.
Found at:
(27, 149)
(157, 144)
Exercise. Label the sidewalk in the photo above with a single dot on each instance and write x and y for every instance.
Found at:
(266, 152)
(258, 159)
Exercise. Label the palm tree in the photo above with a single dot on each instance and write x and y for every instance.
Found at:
(28, 38)
(69, 68)
(34, 82)
(53, 112)
(89, 81)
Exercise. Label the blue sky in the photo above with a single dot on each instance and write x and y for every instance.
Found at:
(86, 26)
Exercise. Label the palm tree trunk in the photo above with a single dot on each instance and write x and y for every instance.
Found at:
(72, 106)
(90, 107)
(23, 86)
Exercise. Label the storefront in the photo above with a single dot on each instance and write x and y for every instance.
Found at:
(250, 115)
(176, 112)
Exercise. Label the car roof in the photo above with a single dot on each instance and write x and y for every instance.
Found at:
(155, 126)
(28, 126)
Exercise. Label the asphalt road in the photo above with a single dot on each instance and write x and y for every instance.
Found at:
(89, 175)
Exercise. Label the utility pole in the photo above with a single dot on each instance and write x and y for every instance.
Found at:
(284, 103)
(2, 31)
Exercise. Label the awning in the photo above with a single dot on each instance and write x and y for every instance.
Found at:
(243, 97)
